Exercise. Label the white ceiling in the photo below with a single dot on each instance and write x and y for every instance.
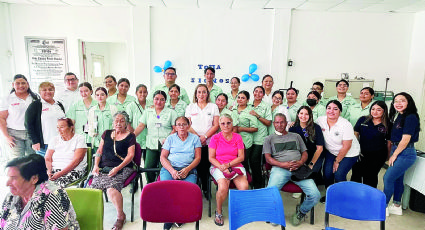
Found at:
(375, 6)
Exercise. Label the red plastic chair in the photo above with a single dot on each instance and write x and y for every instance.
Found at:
(171, 201)
(132, 179)
(290, 187)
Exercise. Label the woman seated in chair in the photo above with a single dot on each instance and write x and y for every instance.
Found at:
(226, 154)
(180, 155)
(113, 163)
(66, 159)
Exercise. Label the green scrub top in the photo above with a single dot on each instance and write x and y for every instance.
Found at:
(347, 102)
(271, 129)
(104, 119)
(113, 100)
(183, 94)
(318, 110)
(135, 111)
(159, 126)
(244, 119)
(356, 111)
(180, 107)
(79, 113)
(215, 90)
(232, 100)
(293, 109)
(265, 111)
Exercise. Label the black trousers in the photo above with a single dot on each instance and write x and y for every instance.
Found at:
(366, 169)
(203, 168)
(252, 164)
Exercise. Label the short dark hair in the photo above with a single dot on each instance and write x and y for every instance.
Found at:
(124, 80)
(336, 102)
(261, 87)
(319, 84)
(342, 80)
(371, 91)
(278, 92)
(113, 78)
(172, 68)
(31, 165)
(315, 94)
(209, 68)
(246, 93)
(292, 88)
(237, 79)
(267, 75)
(70, 74)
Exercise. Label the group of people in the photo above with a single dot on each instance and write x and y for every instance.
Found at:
(223, 135)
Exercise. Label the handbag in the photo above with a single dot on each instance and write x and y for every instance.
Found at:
(302, 173)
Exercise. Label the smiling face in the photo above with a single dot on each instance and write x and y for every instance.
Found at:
(182, 127)
(110, 83)
(342, 87)
(332, 111)
(377, 112)
(400, 103)
(159, 101)
(119, 123)
(170, 76)
(142, 93)
(17, 184)
(226, 125)
(317, 88)
(279, 124)
(63, 128)
(258, 94)
(268, 83)
(47, 93)
(71, 82)
(365, 96)
(291, 96)
(303, 116)
(85, 92)
(202, 94)
(277, 99)
(221, 102)
(20, 85)
(234, 84)
(101, 96)
(123, 88)
(174, 93)
(242, 100)
(209, 76)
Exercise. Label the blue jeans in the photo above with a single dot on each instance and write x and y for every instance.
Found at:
(280, 176)
(393, 178)
(165, 175)
(42, 151)
(341, 173)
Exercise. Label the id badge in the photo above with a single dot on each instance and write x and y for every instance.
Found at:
(158, 125)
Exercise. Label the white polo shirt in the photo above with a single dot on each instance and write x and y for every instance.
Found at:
(49, 119)
(16, 107)
(68, 98)
(65, 151)
(341, 131)
(202, 119)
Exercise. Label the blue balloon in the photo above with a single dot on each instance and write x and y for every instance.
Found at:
(255, 77)
(245, 78)
(157, 69)
(252, 68)
(167, 64)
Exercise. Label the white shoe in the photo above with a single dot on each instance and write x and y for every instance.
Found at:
(296, 195)
(395, 210)
(387, 213)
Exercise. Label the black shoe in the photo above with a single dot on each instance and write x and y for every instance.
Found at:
(323, 199)
(206, 194)
(168, 226)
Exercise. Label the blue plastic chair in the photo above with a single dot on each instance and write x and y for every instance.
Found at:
(246, 206)
(355, 201)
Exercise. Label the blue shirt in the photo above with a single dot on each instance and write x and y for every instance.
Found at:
(405, 125)
(373, 138)
(181, 153)
(311, 145)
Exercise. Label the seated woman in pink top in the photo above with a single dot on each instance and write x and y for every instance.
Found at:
(226, 153)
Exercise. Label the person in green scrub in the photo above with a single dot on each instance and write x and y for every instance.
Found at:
(361, 109)
(100, 117)
(345, 100)
(318, 87)
(247, 123)
(170, 76)
(111, 85)
(235, 82)
(277, 107)
(221, 102)
(159, 121)
(175, 103)
(79, 111)
(292, 104)
(262, 111)
(313, 101)
(135, 111)
(213, 89)
(121, 100)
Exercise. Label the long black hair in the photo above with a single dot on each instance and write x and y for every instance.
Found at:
(310, 123)
(410, 109)
(31, 93)
(384, 118)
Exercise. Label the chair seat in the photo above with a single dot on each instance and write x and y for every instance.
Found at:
(130, 179)
(291, 187)
(330, 228)
(232, 185)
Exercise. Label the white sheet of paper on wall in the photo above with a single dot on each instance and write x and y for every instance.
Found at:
(366, 85)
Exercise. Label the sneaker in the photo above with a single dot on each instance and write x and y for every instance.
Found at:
(297, 218)
(393, 209)
(179, 225)
(387, 213)
(323, 199)
(296, 195)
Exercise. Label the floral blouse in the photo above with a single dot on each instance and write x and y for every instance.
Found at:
(48, 209)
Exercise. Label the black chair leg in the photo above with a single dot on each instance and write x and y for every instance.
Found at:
(144, 225)
(197, 225)
(106, 195)
(312, 216)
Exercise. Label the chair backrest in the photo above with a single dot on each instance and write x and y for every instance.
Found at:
(137, 155)
(246, 206)
(352, 200)
(171, 201)
(88, 205)
(88, 169)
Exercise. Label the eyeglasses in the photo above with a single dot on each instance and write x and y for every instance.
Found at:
(182, 125)
(277, 98)
(72, 79)
(169, 74)
(226, 123)
(342, 85)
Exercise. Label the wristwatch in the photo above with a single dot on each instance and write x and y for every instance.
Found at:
(311, 163)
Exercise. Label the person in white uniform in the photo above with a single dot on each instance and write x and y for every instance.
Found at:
(70, 94)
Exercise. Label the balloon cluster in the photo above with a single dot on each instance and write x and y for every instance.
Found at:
(254, 77)
(159, 69)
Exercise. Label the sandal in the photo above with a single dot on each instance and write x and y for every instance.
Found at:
(218, 217)
(119, 224)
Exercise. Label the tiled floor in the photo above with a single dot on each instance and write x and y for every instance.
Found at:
(410, 220)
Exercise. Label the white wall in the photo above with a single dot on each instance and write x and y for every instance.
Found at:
(6, 58)
(375, 46)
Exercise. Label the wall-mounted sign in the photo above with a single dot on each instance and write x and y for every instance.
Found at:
(203, 80)
(47, 60)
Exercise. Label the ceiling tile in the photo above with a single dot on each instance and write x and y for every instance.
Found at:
(417, 7)
(285, 4)
(17, 1)
(80, 2)
(114, 2)
(221, 4)
(47, 2)
(249, 4)
(319, 6)
(153, 3)
(389, 5)
(181, 3)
